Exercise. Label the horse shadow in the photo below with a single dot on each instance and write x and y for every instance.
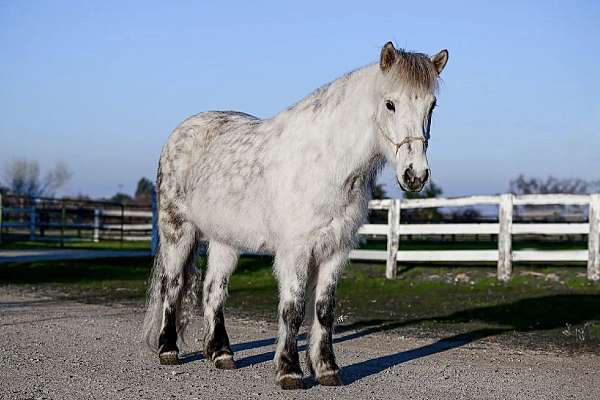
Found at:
(526, 315)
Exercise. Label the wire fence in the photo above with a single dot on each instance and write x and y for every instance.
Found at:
(63, 220)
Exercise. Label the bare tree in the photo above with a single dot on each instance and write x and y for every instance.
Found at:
(524, 185)
(532, 185)
(23, 177)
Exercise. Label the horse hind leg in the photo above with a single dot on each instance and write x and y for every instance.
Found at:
(222, 260)
(176, 282)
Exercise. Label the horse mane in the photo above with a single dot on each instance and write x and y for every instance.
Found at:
(415, 69)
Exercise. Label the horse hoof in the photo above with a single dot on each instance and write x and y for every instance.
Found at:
(291, 382)
(225, 363)
(330, 380)
(168, 358)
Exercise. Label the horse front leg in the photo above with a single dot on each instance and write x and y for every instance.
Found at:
(320, 356)
(291, 268)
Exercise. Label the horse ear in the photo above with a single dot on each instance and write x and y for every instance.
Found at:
(440, 60)
(388, 56)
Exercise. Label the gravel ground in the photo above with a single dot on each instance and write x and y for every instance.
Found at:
(59, 349)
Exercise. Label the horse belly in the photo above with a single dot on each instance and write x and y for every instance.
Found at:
(238, 224)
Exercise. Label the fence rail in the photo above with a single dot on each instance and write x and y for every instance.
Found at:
(504, 228)
(62, 219)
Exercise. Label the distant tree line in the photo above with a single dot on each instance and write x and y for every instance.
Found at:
(142, 196)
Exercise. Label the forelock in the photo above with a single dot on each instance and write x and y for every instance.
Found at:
(415, 70)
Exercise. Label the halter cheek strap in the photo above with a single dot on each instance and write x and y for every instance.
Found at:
(404, 141)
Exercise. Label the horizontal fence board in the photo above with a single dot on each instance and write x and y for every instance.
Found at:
(380, 204)
(472, 255)
(373, 255)
(373, 229)
(448, 229)
(127, 213)
(447, 255)
(550, 255)
(127, 238)
(449, 202)
(551, 229)
(127, 227)
(549, 199)
(478, 229)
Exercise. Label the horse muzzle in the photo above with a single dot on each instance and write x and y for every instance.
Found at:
(413, 181)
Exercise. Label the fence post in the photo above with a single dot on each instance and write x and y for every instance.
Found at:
(593, 267)
(505, 216)
(63, 218)
(393, 239)
(122, 221)
(96, 224)
(154, 243)
(0, 217)
(32, 221)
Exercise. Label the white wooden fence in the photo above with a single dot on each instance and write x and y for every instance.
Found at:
(505, 229)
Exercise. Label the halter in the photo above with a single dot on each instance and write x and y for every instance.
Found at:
(404, 141)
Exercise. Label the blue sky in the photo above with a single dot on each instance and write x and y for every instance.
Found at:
(101, 84)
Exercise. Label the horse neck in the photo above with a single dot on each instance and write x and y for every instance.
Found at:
(337, 120)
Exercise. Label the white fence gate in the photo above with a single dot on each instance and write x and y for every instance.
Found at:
(505, 229)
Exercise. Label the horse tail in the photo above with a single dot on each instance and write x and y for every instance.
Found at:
(162, 296)
(154, 303)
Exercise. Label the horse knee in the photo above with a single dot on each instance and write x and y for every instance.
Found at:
(292, 315)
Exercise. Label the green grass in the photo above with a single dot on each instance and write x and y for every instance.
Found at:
(83, 244)
(112, 279)
(542, 305)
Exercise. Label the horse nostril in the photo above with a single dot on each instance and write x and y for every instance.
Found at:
(409, 176)
(426, 176)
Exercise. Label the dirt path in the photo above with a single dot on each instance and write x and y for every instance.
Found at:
(56, 349)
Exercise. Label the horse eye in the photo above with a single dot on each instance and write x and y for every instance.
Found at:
(390, 105)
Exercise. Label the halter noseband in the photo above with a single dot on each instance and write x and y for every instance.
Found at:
(404, 141)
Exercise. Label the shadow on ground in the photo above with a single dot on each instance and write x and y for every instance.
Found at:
(527, 315)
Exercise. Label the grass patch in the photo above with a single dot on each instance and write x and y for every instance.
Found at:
(79, 244)
(110, 279)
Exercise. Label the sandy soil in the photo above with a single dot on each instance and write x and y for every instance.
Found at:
(59, 349)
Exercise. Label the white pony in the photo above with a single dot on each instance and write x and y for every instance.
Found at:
(296, 185)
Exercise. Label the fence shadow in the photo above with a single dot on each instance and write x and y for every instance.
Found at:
(354, 372)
